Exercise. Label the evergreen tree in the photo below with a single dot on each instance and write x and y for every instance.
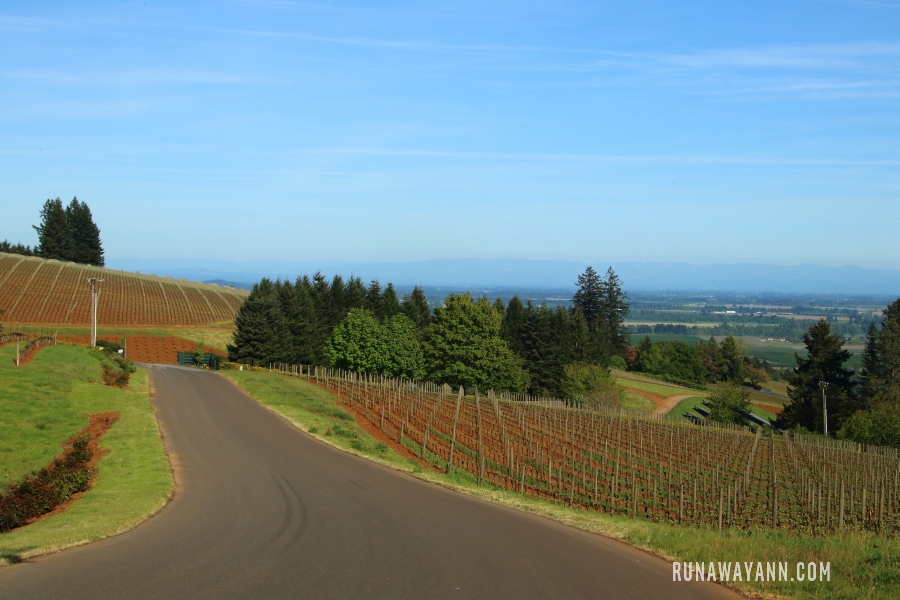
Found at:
(540, 351)
(711, 358)
(253, 328)
(614, 309)
(17, 248)
(415, 306)
(732, 360)
(590, 296)
(511, 328)
(881, 359)
(84, 234)
(374, 298)
(825, 363)
(391, 304)
(53, 232)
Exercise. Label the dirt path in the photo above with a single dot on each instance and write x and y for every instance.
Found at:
(663, 405)
(671, 402)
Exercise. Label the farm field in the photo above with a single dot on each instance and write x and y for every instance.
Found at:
(38, 291)
(639, 466)
(44, 403)
(145, 348)
(862, 561)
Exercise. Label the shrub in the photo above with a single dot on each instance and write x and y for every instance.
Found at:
(43, 491)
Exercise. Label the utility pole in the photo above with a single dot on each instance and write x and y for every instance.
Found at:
(95, 296)
(824, 385)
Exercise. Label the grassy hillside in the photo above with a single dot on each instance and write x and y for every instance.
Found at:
(44, 403)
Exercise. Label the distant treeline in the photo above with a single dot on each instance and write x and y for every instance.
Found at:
(783, 328)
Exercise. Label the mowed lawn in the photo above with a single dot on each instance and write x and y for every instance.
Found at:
(44, 403)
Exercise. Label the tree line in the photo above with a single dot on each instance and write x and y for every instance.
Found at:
(65, 233)
(466, 341)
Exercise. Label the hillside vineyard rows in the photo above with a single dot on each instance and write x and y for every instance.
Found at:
(34, 290)
(632, 464)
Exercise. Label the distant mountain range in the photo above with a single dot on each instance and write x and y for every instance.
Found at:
(539, 274)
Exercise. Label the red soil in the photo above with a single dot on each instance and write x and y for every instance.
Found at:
(147, 348)
(98, 425)
(772, 410)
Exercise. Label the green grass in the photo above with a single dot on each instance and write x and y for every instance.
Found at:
(657, 389)
(685, 406)
(689, 339)
(862, 565)
(314, 410)
(633, 401)
(215, 336)
(42, 404)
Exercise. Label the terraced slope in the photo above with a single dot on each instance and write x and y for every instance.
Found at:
(35, 290)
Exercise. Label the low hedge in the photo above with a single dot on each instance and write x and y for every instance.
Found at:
(40, 493)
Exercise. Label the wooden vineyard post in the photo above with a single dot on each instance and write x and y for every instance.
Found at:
(721, 498)
(522, 482)
(681, 505)
(478, 433)
(455, 422)
(841, 517)
(572, 489)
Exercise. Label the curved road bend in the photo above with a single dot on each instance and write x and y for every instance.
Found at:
(263, 510)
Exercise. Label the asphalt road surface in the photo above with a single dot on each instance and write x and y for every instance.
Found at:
(262, 510)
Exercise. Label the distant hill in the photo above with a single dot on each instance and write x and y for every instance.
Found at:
(39, 291)
(547, 274)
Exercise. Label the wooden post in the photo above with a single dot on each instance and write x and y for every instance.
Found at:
(478, 431)
(841, 517)
(721, 498)
(455, 421)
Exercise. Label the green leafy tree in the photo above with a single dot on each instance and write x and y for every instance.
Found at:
(463, 347)
(585, 382)
(53, 232)
(879, 424)
(84, 234)
(416, 308)
(729, 404)
(362, 343)
(404, 355)
(825, 363)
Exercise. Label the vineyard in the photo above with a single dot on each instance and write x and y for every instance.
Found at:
(630, 463)
(34, 290)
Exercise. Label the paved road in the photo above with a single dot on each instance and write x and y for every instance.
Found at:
(264, 511)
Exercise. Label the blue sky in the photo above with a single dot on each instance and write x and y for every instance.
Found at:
(701, 132)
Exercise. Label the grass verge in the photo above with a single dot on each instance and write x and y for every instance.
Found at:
(862, 565)
(657, 389)
(44, 403)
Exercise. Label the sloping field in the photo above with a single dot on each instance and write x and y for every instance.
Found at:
(35, 290)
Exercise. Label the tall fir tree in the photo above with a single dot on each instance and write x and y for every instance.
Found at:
(375, 299)
(390, 303)
(614, 310)
(589, 296)
(415, 306)
(511, 328)
(825, 363)
(84, 234)
(54, 240)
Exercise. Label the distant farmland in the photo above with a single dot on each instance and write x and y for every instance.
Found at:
(38, 291)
